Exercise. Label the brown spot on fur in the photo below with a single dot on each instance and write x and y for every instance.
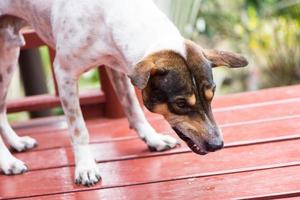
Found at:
(65, 103)
(77, 132)
(72, 119)
(89, 39)
(2, 107)
(192, 100)
(162, 109)
(72, 111)
(9, 69)
(209, 94)
(1, 78)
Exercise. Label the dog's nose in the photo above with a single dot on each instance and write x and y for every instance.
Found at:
(214, 146)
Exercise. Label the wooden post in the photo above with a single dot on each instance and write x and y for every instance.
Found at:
(33, 77)
(112, 107)
(52, 56)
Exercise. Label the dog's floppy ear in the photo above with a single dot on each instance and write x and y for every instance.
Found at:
(141, 73)
(224, 58)
(216, 57)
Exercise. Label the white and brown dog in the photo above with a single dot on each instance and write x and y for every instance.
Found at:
(134, 38)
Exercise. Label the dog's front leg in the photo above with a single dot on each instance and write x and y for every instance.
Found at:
(137, 120)
(86, 171)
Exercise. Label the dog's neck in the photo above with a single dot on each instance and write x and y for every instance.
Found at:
(143, 30)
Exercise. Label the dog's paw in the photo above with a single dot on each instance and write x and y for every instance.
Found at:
(12, 166)
(23, 143)
(87, 173)
(159, 142)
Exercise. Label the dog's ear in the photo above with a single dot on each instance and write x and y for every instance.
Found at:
(224, 58)
(217, 58)
(158, 63)
(141, 73)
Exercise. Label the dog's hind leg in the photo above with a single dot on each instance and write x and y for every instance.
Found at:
(137, 120)
(8, 64)
(11, 41)
(8, 163)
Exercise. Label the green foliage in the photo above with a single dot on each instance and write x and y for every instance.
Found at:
(266, 31)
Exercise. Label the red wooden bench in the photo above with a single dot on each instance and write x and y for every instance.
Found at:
(261, 158)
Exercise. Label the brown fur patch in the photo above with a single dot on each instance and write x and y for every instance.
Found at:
(1, 78)
(154, 64)
(224, 58)
(162, 109)
(209, 94)
(195, 56)
(192, 100)
(77, 132)
(9, 69)
(72, 119)
(2, 107)
(65, 103)
(190, 124)
(72, 111)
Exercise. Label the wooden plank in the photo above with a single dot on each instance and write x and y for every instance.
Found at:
(44, 101)
(278, 183)
(257, 113)
(32, 40)
(231, 117)
(107, 133)
(231, 100)
(115, 151)
(281, 195)
(226, 120)
(154, 169)
(272, 94)
(132, 147)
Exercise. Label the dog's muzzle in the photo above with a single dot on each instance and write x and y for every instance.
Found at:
(204, 147)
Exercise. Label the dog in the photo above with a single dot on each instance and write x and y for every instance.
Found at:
(141, 47)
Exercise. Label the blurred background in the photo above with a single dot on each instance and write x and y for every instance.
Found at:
(267, 32)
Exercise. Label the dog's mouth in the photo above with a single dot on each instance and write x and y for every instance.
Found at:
(191, 144)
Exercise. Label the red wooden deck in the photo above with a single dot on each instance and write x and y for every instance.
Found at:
(261, 159)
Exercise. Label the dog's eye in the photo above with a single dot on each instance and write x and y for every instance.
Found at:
(181, 103)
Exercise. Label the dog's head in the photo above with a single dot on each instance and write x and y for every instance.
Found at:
(182, 90)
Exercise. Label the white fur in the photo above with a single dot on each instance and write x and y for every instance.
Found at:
(116, 33)
(8, 163)
(126, 30)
